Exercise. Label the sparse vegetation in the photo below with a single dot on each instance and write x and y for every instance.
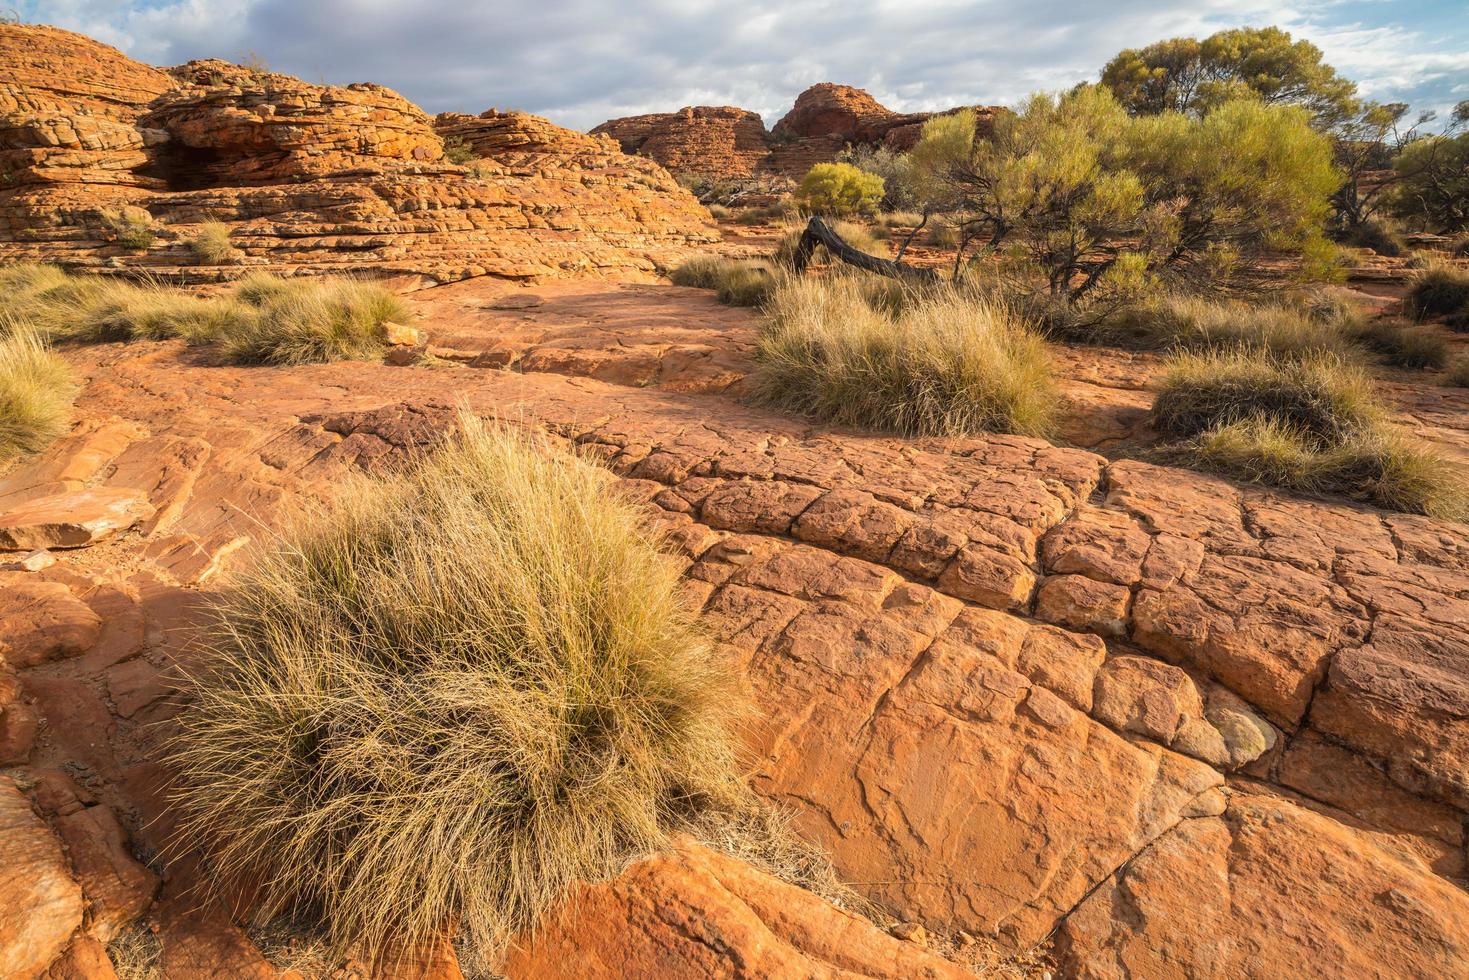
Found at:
(1309, 424)
(1192, 322)
(211, 244)
(36, 392)
(1380, 235)
(1439, 289)
(303, 321)
(135, 953)
(452, 694)
(264, 319)
(735, 282)
(458, 152)
(1458, 374)
(1400, 345)
(839, 189)
(941, 364)
(131, 227)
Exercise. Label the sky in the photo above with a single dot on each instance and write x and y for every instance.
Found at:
(580, 62)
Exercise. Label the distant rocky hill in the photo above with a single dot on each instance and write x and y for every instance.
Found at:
(728, 143)
(308, 177)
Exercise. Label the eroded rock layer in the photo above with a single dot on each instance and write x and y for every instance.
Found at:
(727, 143)
(1013, 690)
(307, 177)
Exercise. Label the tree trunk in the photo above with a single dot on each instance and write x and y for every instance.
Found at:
(818, 232)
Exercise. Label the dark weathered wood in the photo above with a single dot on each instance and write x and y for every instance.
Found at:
(818, 232)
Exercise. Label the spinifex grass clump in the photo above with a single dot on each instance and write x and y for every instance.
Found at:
(939, 363)
(735, 282)
(1185, 322)
(36, 392)
(450, 695)
(264, 319)
(305, 320)
(1440, 289)
(1311, 425)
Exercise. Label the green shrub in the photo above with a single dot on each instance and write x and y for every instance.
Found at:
(309, 320)
(944, 364)
(36, 392)
(211, 244)
(1438, 289)
(458, 152)
(839, 189)
(131, 227)
(1403, 346)
(450, 696)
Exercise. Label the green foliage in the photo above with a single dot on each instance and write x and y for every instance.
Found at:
(1433, 186)
(1184, 74)
(1074, 186)
(940, 364)
(449, 696)
(900, 190)
(839, 189)
(131, 227)
(36, 392)
(457, 151)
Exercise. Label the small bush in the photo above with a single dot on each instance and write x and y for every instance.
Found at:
(1403, 346)
(211, 244)
(839, 189)
(1439, 289)
(943, 234)
(458, 152)
(1382, 237)
(944, 364)
(762, 215)
(131, 227)
(36, 392)
(701, 272)
(306, 321)
(907, 220)
(719, 212)
(451, 695)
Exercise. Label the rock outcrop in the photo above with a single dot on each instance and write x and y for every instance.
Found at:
(728, 143)
(308, 177)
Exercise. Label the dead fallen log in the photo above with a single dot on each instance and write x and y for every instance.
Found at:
(818, 232)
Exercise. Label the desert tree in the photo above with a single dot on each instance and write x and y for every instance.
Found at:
(1189, 75)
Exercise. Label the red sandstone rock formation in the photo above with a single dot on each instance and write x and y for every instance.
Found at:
(309, 177)
(728, 143)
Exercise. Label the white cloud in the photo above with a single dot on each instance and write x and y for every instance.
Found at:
(583, 61)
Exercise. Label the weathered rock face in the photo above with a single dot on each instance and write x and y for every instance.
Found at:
(727, 143)
(721, 142)
(309, 177)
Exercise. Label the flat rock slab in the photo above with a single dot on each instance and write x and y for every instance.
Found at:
(72, 520)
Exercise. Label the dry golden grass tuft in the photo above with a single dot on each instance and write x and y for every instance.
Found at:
(939, 363)
(1439, 289)
(131, 227)
(1311, 424)
(1187, 322)
(1401, 345)
(135, 953)
(451, 694)
(36, 392)
(211, 244)
(264, 319)
(735, 282)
